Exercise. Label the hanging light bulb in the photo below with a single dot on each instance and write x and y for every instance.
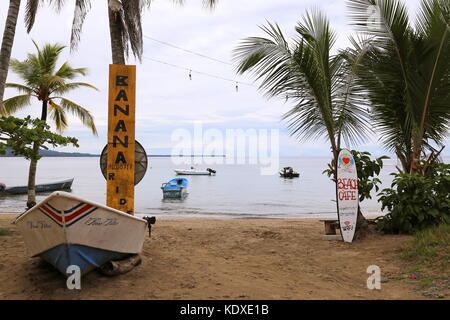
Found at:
(237, 87)
(190, 74)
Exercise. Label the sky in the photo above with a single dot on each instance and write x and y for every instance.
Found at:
(167, 100)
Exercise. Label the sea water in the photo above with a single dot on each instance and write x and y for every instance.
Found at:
(236, 191)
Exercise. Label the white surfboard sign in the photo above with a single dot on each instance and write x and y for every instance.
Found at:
(347, 192)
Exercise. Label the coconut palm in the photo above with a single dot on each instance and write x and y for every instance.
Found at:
(48, 84)
(327, 103)
(124, 24)
(406, 72)
(9, 33)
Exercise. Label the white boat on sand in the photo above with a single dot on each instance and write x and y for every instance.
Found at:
(65, 230)
(195, 172)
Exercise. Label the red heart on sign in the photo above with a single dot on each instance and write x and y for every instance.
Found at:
(347, 223)
(346, 160)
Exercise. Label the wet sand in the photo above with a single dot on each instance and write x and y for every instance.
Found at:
(222, 259)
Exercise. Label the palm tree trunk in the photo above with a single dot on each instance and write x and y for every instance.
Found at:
(7, 44)
(117, 45)
(31, 202)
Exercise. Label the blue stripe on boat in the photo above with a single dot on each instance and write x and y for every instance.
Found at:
(51, 207)
(86, 258)
(74, 208)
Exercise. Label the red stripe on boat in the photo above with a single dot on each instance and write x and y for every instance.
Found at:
(79, 212)
(50, 212)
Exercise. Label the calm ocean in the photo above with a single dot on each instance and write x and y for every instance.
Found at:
(237, 191)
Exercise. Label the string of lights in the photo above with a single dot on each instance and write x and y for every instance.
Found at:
(191, 71)
(187, 50)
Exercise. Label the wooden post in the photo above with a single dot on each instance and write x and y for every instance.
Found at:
(121, 137)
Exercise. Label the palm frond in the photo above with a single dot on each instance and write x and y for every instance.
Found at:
(19, 87)
(268, 59)
(58, 115)
(30, 13)
(82, 8)
(81, 113)
(16, 103)
(67, 72)
(67, 87)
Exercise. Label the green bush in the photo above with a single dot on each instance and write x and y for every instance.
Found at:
(416, 202)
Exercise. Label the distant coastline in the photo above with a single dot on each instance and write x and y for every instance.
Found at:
(51, 153)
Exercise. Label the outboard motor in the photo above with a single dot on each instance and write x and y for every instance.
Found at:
(2, 187)
(211, 170)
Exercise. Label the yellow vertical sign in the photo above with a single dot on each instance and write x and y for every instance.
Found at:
(121, 130)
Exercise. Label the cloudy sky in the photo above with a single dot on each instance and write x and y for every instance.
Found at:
(166, 99)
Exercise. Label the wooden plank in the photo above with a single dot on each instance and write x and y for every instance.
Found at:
(330, 227)
(121, 137)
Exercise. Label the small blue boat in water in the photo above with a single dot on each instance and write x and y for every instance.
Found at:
(175, 188)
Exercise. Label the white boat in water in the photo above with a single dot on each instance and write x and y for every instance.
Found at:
(195, 172)
(65, 230)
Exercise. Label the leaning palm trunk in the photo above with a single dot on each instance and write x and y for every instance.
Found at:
(31, 202)
(7, 44)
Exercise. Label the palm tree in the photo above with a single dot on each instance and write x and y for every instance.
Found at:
(7, 44)
(48, 84)
(124, 24)
(406, 72)
(9, 33)
(327, 102)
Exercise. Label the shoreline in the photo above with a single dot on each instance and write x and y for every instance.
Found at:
(222, 259)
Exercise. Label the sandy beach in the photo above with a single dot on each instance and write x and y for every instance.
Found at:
(222, 259)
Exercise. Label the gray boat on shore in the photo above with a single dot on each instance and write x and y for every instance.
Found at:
(44, 187)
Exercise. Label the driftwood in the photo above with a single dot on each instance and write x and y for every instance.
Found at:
(114, 268)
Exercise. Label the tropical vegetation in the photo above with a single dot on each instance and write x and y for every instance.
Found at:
(49, 84)
(415, 202)
(20, 135)
(327, 103)
(394, 80)
(405, 71)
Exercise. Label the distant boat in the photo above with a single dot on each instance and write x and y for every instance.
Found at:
(175, 188)
(45, 187)
(65, 230)
(288, 172)
(194, 172)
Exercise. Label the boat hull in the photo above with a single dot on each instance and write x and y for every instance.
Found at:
(175, 194)
(65, 228)
(46, 187)
(86, 258)
(287, 175)
(192, 173)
